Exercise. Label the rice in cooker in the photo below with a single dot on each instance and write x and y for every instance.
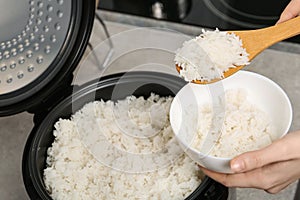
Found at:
(209, 55)
(73, 172)
(241, 125)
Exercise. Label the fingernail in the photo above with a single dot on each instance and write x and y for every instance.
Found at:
(237, 165)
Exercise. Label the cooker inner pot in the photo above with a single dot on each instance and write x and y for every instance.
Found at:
(138, 84)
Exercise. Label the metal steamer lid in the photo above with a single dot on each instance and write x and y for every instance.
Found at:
(41, 42)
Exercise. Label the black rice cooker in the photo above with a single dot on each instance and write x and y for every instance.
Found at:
(36, 71)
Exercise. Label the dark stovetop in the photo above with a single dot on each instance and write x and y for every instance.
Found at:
(222, 14)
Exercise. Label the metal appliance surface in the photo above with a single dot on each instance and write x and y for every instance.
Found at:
(32, 38)
(39, 47)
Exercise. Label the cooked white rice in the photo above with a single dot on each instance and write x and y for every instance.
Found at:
(74, 173)
(244, 127)
(209, 55)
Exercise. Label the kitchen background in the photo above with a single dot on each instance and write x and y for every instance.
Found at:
(128, 23)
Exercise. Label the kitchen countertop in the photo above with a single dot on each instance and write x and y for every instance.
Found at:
(138, 48)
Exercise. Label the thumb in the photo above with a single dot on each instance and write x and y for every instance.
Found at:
(249, 160)
(291, 11)
(285, 16)
(283, 149)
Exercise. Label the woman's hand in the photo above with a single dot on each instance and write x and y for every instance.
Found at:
(292, 10)
(271, 169)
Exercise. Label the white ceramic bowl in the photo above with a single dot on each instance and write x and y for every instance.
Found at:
(261, 91)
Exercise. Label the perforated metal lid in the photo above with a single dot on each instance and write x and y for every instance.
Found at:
(37, 37)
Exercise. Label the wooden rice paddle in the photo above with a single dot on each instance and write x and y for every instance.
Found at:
(255, 41)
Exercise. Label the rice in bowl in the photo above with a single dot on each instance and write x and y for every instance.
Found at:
(241, 125)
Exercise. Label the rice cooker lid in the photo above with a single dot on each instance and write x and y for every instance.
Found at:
(41, 43)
